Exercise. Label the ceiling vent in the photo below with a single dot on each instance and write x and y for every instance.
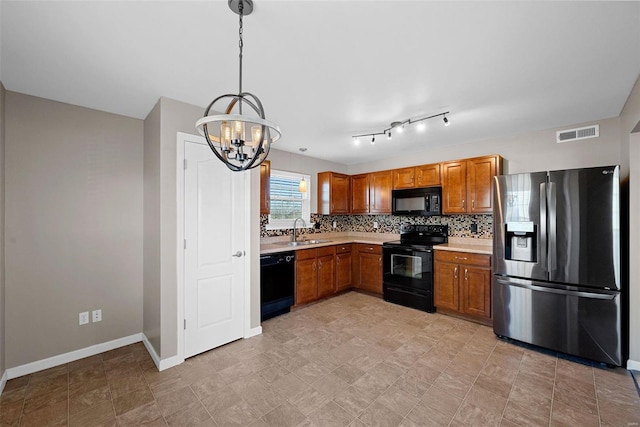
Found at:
(577, 134)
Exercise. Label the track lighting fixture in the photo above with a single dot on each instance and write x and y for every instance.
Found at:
(399, 126)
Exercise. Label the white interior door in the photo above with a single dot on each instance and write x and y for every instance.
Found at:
(214, 222)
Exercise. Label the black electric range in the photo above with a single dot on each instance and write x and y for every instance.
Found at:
(408, 265)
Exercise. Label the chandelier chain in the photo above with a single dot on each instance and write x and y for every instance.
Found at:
(240, 46)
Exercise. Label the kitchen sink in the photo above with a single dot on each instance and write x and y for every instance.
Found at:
(307, 242)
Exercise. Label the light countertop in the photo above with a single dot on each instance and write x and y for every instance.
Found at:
(463, 244)
(270, 245)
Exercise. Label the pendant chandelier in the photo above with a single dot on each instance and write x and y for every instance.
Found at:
(242, 141)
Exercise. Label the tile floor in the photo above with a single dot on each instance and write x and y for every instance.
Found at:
(352, 360)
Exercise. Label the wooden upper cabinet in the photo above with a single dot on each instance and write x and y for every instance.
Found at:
(467, 184)
(265, 174)
(427, 175)
(454, 187)
(404, 178)
(416, 177)
(380, 184)
(333, 193)
(480, 173)
(360, 193)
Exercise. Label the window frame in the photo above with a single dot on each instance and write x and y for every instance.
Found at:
(282, 224)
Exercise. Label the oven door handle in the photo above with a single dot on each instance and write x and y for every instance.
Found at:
(396, 249)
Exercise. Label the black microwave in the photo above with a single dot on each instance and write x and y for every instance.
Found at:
(417, 201)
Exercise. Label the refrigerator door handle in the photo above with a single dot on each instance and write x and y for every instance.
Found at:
(542, 248)
(581, 294)
(553, 238)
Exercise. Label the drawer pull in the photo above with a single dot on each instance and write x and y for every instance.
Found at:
(461, 257)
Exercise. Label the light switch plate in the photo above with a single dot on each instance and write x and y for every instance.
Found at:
(96, 315)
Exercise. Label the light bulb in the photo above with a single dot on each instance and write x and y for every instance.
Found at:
(421, 127)
(302, 186)
(238, 131)
(400, 129)
(225, 134)
(356, 141)
(256, 134)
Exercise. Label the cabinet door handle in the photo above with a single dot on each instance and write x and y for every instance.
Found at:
(466, 274)
(455, 273)
(473, 203)
(380, 261)
(462, 203)
(319, 264)
(314, 266)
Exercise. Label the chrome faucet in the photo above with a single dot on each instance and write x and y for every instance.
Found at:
(295, 221)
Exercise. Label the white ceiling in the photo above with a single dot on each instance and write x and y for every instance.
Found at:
(326, 70)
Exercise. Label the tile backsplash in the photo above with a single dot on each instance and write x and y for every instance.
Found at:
(459, 225)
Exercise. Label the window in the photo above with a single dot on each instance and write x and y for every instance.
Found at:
(286, 201)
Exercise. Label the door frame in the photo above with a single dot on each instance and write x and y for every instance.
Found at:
(182, 140)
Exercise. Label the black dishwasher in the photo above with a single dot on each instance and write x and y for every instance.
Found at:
(277, 283)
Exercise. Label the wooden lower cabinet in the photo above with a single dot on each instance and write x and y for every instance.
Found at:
(344, 267)
(462, 285)
(368, 267)
(315, 274)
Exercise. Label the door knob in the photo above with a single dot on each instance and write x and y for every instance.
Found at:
(238, 254)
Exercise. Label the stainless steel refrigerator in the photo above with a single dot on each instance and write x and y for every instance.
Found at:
(556, 277)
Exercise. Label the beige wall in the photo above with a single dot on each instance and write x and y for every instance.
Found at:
(292, 162)
(73, 217)
(629, 122)
(534, 151)
(151, 239)
(2, 287)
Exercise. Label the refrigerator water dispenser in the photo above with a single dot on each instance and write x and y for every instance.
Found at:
(521, 241)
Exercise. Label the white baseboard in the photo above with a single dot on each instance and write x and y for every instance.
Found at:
(633, 364)
(161, 364)
(61, 359)
(3, 381)
(253, 332)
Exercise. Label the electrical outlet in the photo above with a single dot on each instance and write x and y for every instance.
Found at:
(335, 224)
(474, 227)
(96, 315)
(376, 225)
(83, 318)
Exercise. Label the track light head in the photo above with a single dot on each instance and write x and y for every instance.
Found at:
(389, 134)
(446, 121)
(373, 139)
